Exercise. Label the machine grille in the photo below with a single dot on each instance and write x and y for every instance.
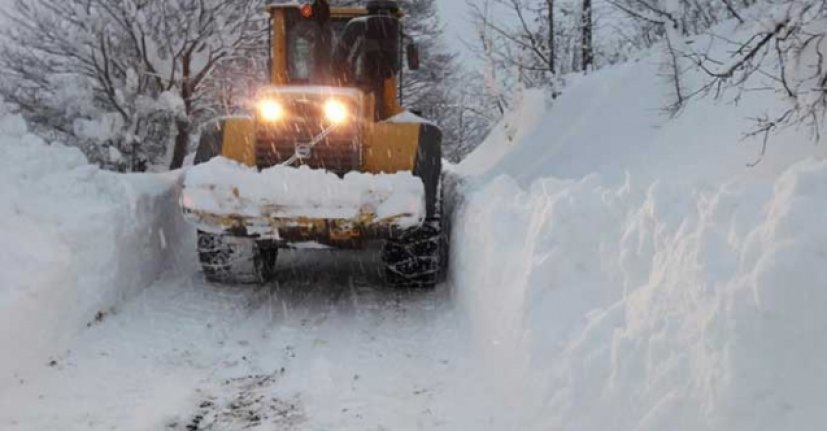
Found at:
(340, 152)
(339, 156)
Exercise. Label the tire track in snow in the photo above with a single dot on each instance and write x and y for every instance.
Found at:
(325, 346)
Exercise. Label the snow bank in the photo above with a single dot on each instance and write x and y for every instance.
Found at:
(529, 113)
(623, 270)
(652, 308)
(77, 241)
(613, 122)
(222, 186)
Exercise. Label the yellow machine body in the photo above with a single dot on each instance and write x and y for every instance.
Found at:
(382, 144)
(387, 147)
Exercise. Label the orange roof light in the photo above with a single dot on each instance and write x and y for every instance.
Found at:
(307, 10)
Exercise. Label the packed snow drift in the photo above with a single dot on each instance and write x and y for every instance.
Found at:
(624, 270)
(224, 187)
(77, 242)
(653, 308)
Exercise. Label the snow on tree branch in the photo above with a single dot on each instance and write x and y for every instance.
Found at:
(131, 75)
(780, 50)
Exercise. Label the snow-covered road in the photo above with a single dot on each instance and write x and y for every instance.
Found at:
(611, 269)
(324, 348)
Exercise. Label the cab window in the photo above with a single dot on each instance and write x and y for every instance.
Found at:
(309, 48)
(300, 50)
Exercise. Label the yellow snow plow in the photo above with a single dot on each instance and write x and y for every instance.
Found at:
(328, 154)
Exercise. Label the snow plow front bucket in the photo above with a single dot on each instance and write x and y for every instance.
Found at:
(295, 205)
(296, 229)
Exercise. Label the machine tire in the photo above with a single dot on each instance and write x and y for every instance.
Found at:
(418, 257)
(236, 260)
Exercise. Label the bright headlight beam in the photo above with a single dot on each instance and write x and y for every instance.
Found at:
(335, 111)
(270, 110)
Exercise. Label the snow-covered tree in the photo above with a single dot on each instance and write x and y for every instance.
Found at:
(779, 48)
(121, 78)
(129, 81)
(472, 114)
(535, 43)
(437, 89)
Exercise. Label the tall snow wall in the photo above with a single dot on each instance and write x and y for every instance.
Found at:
(622, 270)
(76, 242)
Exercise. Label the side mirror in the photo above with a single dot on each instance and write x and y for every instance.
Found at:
(412, 52)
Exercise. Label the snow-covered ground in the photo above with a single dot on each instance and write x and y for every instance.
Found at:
(611, 269)
(321, 349)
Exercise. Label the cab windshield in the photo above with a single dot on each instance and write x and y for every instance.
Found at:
(310, 48)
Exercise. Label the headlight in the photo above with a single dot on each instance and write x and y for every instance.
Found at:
(335, 111)
(270, 110)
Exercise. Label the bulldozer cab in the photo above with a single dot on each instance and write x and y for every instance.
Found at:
(314, 44)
